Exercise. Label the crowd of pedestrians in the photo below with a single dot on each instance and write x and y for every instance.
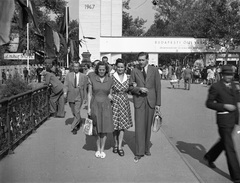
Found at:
(105, 89)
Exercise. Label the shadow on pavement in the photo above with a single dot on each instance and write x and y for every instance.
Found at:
(197, 151)
(69, 121)
(90, 142)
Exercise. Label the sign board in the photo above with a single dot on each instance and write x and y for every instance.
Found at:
(152, 45)
(18, 56)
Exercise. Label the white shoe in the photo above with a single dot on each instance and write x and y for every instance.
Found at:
(102, 155)
(98, 154)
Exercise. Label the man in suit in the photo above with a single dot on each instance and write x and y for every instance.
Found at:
(75, 90)
(224, 97)
(56, 97)
(145, 86)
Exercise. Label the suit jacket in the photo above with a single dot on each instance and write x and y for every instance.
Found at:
(187, 73)
(152, 83)
(219, 95)
(80, 92)
(51, 79)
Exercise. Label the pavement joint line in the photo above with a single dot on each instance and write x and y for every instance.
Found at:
(183, 158)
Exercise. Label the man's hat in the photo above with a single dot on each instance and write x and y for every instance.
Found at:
(227, 70)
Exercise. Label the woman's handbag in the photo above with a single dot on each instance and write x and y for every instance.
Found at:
(157, 120)
(90, 128)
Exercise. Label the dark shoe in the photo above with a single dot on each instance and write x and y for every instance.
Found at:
(74, 131)
(78, 126)
(148, 153)
(137, 158)
(209, 163)
(236, 181)
(120, 152)
(115, 150)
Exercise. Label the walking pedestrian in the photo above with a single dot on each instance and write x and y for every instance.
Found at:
(187, 76)
(146, 89)
(99, 105)
(75, 91)
(224, 97)
(122, 119)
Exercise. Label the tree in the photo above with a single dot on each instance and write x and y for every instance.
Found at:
(216, 20)
(131, 27)
(45, 10)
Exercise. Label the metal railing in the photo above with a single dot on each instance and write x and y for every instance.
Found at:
(20, 115)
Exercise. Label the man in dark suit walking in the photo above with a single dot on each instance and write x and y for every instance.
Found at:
(224, 97)
(146, 90)
(75, 90)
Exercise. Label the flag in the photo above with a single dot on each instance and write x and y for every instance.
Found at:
(56, 40)
(26, 13)
(49, 41)
(74, 45)
(65, 21)
(6, 14)
(63, 44)
(32, 8)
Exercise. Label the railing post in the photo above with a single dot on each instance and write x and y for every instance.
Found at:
(10, 149)
(31, 113)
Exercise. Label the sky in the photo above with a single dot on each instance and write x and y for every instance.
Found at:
(139, 8)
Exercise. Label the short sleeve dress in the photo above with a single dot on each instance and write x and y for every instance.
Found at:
(101, 109)
(122, 118)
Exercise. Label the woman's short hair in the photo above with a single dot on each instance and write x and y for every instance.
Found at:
(104, 64)
(119, 60)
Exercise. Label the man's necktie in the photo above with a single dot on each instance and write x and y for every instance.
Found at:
(75, 80)
(144, 74)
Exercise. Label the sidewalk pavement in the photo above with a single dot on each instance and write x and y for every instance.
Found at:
(54, 154)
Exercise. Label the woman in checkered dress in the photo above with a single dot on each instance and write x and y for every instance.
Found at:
(121, 108)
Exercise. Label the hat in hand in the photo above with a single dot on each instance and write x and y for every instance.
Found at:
(227, 70)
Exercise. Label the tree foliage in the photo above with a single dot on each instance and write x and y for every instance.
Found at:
(131, 27)
(217, 20)
(14, 86)
(48, 11)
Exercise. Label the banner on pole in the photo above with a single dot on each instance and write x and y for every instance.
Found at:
(18, 56)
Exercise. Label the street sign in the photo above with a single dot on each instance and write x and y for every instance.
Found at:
(18, 56)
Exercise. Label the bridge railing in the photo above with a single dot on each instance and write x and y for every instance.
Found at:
(20, 115)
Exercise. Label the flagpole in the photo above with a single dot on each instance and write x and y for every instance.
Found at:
(27, 43)
(67, 35)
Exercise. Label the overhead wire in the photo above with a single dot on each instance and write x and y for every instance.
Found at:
(141, 4)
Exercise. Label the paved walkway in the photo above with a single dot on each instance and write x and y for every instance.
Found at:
(53, 154)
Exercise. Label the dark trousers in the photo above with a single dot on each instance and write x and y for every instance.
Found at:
(143, 124)
(226, 143)
(57, 104)
(39, 78)
(187, 83)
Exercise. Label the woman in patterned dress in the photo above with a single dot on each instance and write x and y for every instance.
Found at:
(99, 105)
(121, 108)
